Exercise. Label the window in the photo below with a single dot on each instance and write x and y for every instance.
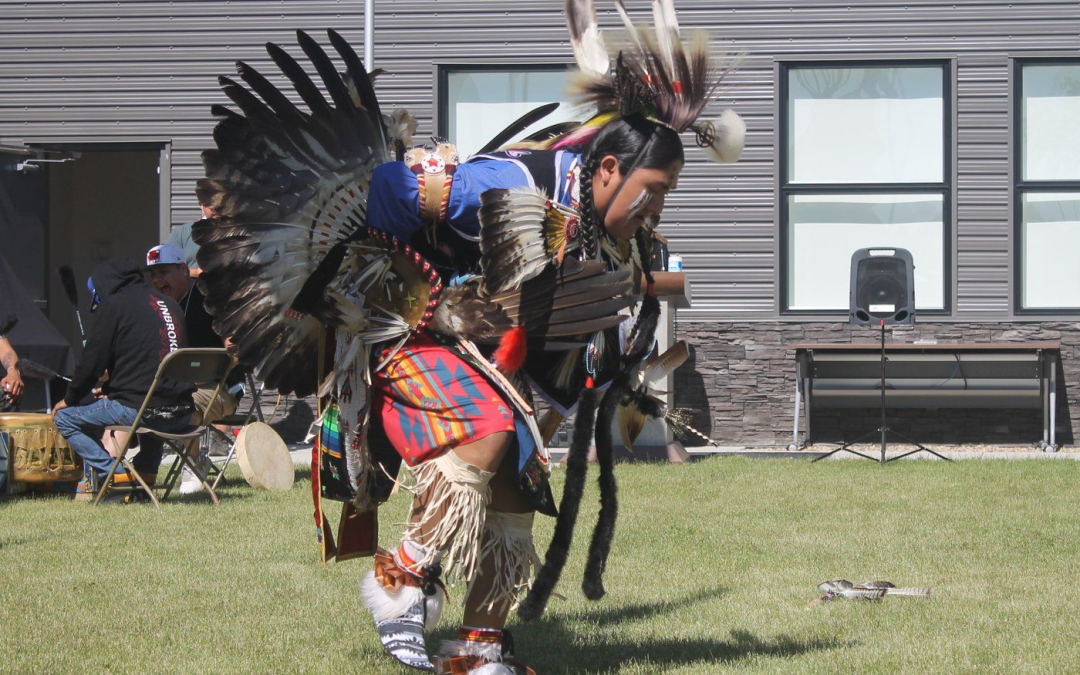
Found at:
(864, 164)
(478, 102)
(1048, 187)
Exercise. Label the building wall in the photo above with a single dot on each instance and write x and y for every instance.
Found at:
(84, 71)
(89, 71)
(740, 381)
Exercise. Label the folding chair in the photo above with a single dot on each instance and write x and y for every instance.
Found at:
(235, 420)
(196, 366)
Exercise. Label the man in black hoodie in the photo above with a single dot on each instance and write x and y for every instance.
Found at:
(134, 329)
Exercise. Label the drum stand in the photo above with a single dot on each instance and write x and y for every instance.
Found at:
(884, 429)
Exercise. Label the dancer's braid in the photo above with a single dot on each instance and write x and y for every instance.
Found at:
(644, 252)
(589, 224)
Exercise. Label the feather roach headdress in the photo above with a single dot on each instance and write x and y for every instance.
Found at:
(657, 74)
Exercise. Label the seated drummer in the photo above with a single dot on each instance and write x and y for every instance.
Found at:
(134, 328)
(11, 384)
(170, 275)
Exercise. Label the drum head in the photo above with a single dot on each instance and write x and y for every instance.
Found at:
(264, 458)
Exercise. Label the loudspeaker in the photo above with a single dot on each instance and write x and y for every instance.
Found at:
(882, 286)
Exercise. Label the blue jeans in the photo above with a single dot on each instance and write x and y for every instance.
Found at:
(84, 425)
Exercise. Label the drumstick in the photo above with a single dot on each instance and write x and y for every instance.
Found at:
(8, 323)
(67, 279)
(39, 371)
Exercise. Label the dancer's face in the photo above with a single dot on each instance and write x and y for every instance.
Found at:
(642, 195)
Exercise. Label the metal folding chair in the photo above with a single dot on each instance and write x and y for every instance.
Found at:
(195, 366)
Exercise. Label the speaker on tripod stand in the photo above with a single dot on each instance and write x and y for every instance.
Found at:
(882, 287)
(882, 294)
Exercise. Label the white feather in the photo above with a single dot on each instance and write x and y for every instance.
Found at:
(670, 18)
(433, 608)
(665, 33)
(631, 29)
(383, 604)
(590, 52)
(488, 651)
(730, 132)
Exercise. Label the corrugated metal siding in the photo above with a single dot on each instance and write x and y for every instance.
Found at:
(114, 70)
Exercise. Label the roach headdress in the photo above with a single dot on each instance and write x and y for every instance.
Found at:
(656, 74)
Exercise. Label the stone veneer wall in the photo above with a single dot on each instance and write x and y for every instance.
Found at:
(740, 381)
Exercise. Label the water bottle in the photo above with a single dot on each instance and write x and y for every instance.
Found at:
(674, 263)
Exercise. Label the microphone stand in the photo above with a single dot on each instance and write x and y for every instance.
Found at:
(884, 429)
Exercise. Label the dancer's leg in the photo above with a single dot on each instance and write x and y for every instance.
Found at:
(506, 498)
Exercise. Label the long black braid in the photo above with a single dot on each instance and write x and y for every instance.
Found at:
(590, 225)
(644, 247)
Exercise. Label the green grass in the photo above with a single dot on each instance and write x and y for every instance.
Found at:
(712, 569)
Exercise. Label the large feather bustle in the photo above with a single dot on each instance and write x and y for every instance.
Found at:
(288, 184)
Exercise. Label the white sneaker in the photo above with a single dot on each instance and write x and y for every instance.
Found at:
(190, 483)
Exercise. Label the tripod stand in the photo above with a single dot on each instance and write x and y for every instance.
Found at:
(884, 430)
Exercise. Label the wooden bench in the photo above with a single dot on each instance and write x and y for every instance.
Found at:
(957, 375)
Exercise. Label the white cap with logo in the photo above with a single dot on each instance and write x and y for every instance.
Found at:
(165, 254)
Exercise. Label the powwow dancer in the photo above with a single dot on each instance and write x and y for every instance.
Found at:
(421, 297)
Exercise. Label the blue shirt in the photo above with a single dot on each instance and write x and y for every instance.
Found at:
(394, 200)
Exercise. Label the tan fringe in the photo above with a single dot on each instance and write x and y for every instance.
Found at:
(457, 495)
(508, 539)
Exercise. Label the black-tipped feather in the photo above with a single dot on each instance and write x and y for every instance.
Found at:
(517, 126)
(362, 81)
(303, 84)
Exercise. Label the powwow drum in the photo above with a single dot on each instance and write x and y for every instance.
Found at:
(36, 451)
(264, 458)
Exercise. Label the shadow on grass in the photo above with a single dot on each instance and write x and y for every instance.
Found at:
(610, 655)
(553, 645)
(224, 495)
(9, 542)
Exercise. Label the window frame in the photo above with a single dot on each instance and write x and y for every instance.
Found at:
(1020, 187)
(442, 82)
(946, 188)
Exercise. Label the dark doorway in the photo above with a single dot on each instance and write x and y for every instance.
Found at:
(75, 206)
(103, 205)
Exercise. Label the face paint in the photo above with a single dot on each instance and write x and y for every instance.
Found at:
(639, 204)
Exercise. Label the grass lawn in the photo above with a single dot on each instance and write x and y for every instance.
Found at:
(712, 570)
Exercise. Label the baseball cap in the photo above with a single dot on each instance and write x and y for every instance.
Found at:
(165, 254)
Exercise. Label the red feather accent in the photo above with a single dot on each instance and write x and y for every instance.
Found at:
(511, 352)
